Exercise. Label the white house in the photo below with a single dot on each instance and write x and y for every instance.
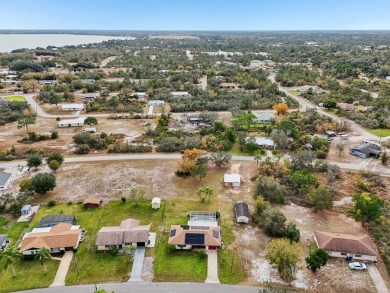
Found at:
(314, 88)
(156, 103)
(180, 94)
(87, 81)
(232, 180)
(348, 246)
(140, 95)
(88, 95)
(71, 122)
(156, 202)
(47, 81)
(241, 211)
(4, 180)
(72, 107)
(26, 209)
(262, 142)
(264, 117)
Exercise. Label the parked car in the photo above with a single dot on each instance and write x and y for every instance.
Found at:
(357, 266)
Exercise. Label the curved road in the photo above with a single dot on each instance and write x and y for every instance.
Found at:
(353, 126)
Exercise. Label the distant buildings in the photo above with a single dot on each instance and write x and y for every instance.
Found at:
(77, 122)
(314, 88)
(345, 106)
(72, 107)
(264, 117)
(366, 149)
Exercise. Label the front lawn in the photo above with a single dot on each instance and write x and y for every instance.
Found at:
(230, 268)
(12, 228)
(384, 132)
(15, 98)
(29, 274)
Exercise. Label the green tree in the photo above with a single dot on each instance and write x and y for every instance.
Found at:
(43, 182)
(26, 120)
(242, 135)
(320, 199)
(301, 179)
(199, 170)
(136, 194)
(270, 188)
(55, 156)
(54, 165)
(42, 255)
(330, 104)
(10, 254)
(285, 255)
(290, 128)
(90, 121)
(292, 232)
(274, 223)
(220, 159)
(317, 258)
(203, 193)
(55, 99)
(25, 184)
(258, 155)
(367, 207)
(34, 160)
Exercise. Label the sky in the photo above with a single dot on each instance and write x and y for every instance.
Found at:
(195, 14)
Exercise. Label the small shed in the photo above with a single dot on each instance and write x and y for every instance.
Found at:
(232, 180)
(72, 107)
(92, 202)
(156, 103)
(156, 202)
(4, 180)
(26, 209)
(3, 242)
(241, 211)
(71, 122)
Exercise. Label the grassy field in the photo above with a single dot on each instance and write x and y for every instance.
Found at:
(11, 228)
(230, 269)
(29, 275)
(15, 98)
(380, 132)
(87, 266)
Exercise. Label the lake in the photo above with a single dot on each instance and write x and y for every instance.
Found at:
(9, 42)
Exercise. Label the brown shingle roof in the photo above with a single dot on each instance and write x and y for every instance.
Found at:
(92, 200)
(179, 236)
(348, 243)
(59, 236)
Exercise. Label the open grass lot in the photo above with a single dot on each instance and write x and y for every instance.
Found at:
(380, 132)
(11, 228)
(230, 267)
(90, 267)
(29, 274)
(15, 98)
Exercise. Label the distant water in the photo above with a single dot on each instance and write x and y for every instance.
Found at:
(9, 42)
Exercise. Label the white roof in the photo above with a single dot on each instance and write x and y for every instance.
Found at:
(71, 121)
(179, 93)
(65, 106)
(140, 94)
(156, 200)
(156, 102)
(47, 229)
(264, 141)
(231, 178)
(264, 116)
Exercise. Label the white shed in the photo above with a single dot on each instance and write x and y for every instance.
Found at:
(71, 122)
(232, 180)
(72, 107)
(156, 103)
(156, 202)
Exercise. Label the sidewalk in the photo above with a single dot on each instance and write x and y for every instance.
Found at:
(62, 271)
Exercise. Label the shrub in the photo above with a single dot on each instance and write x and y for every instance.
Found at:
(51, 203)
(54, 134)
(202, 253)
(292, 232)
(363, 186)
(43, 182)
(25, 184)
(123, 199)
(82, 149)
(180, 173)
(170, 248)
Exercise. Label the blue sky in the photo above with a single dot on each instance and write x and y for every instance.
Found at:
(196, 14)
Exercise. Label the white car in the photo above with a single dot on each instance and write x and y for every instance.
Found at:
(357, 266)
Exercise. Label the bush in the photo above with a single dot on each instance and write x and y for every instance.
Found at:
(180, 173)
(129, 148)
(123, 199)
(363, 186)
(202, 253)
(320, 154)
(54, 134)
(25, 184)
(82, 149)
(51, 203)
(43, 182)
(292, 232)
(170, 248)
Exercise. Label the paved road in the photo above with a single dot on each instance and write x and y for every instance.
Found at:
(365, 164)
(212, 267)
(377, 279)
(138, 263)
(62, 271)
(353, 126)
(143, 287)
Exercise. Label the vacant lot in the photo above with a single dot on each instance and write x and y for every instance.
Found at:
(15, 98)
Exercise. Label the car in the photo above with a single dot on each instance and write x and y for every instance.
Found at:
(357, 266)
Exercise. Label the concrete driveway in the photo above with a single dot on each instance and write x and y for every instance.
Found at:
(212, 267)
(376, 277)
(62, 271)
(138, 263)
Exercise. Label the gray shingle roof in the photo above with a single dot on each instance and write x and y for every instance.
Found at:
(241, 209)
(53, 220)
(4, 177)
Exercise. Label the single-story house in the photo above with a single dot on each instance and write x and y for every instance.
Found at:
(262, 142)
(264, 117)
(46, 82)
(50, 221)
(88, 95)
(330, 133)
(358, 247)
(314, 88)
(345, 106)
(232, 180)
(180, 94)
(187, 237)
(366, 149)
(229, 85)
(128, 233)
(58, 239)
(3, 242)
(26, 209)
(156, 202)
(87, 81)
(140, 95)
(72, 107)
(241, 212)
(71, 122)
(156, 103)
(4, 180)
(89, 129)
(92, 202)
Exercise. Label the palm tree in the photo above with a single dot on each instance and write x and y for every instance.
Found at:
(10, 254)
(200, 193)
(208, 192)
(42, 255)
(258, 156)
